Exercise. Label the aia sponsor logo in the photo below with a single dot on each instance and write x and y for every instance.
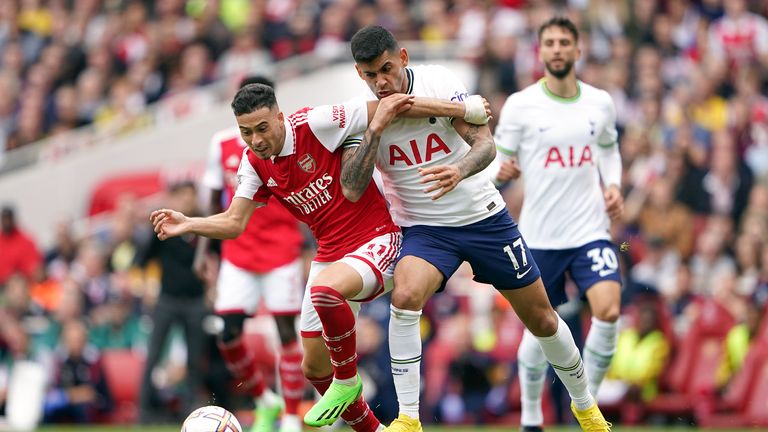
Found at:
(339, 115)
(417, 153)
(307, 163)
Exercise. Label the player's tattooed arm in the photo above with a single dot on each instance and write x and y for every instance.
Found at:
(357, 165)
(482, 151)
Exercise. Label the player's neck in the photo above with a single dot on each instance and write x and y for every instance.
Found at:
(566, 88)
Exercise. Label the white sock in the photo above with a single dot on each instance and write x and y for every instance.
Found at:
(598, 351)
(531, 370)
(290, 422)
(405, 352)
(562, 354)
(268, 398)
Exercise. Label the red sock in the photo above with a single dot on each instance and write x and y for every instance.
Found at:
(243, 367)
(338, 330)
(291, 377)
(358, 416)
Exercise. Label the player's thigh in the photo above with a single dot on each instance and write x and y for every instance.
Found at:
(375, 263)
(309, 322)
(553, 265)
(237, 290)
(283, 288)
(429, 257)
(499, 255)
(532, 306)
(595, 270)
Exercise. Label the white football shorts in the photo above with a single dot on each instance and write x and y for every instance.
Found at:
(374, 261)
(241, 291)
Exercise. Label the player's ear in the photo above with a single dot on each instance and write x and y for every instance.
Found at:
(359, 72)
(281, 116)
(404, 57)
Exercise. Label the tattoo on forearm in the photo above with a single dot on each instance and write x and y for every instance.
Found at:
(357, 164)
(482, 151)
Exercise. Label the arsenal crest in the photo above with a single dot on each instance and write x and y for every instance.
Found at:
(307, 163)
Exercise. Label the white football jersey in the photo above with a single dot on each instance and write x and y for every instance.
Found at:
(555, 140)
(409, 144)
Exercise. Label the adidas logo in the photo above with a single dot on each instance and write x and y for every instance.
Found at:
(271, 182)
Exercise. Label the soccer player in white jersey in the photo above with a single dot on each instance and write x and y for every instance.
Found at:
(294, 158)
(561, 134)
(450, 212)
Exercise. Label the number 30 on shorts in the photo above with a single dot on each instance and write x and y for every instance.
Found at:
(604, 261)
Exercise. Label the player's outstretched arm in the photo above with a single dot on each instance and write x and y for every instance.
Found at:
(357, 163)
(227, 225)
(475, 109)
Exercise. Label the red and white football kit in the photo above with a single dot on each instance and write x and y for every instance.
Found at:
(305, 178)
(264, 261)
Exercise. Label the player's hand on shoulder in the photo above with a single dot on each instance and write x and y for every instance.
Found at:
(509, 170)
(441, 178)
(389, 107)
(614, 202)
(167, 223)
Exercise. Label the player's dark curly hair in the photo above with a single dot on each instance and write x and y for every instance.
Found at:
(371, 42)
(252, 97)
(560, 21)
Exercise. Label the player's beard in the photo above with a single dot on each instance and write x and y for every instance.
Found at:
(560, 73)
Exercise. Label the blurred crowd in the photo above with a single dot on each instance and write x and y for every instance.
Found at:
(689, 82)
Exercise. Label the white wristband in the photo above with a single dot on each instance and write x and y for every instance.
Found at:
(474, 110)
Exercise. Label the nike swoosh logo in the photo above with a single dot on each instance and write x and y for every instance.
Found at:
(521, 275)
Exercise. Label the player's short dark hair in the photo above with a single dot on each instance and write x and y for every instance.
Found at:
(371, 42)
(256, 79)
(560, 21)
(252, 97)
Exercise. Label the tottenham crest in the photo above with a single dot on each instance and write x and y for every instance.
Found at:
(307, 163)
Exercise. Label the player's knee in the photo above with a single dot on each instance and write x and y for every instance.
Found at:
(607, 313)
(408, 297)
(233, 327)
(542, 324)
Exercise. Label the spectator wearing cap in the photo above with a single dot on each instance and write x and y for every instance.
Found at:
(20, 254)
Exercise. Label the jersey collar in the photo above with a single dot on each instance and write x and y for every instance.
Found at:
(409, 77)
(557, 98)
(289, 145)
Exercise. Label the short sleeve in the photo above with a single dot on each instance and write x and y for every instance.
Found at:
(609, 135)
(445, 84)
(249, 184)
(333, 124)
(509, 129)
(214, 172)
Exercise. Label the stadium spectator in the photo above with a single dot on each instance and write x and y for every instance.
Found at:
(641, 355)
(79, 392)
(739, 340)
(20, 253)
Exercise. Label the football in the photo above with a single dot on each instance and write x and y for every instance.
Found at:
(211, 419)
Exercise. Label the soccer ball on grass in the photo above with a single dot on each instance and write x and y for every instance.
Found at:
(211, 419)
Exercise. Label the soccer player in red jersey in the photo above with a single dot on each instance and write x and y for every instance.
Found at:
(262, 264)
(295, 159)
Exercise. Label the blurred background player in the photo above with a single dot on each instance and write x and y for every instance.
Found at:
(450, 212)
(562, 134)
(181, 302)
(264, 262)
